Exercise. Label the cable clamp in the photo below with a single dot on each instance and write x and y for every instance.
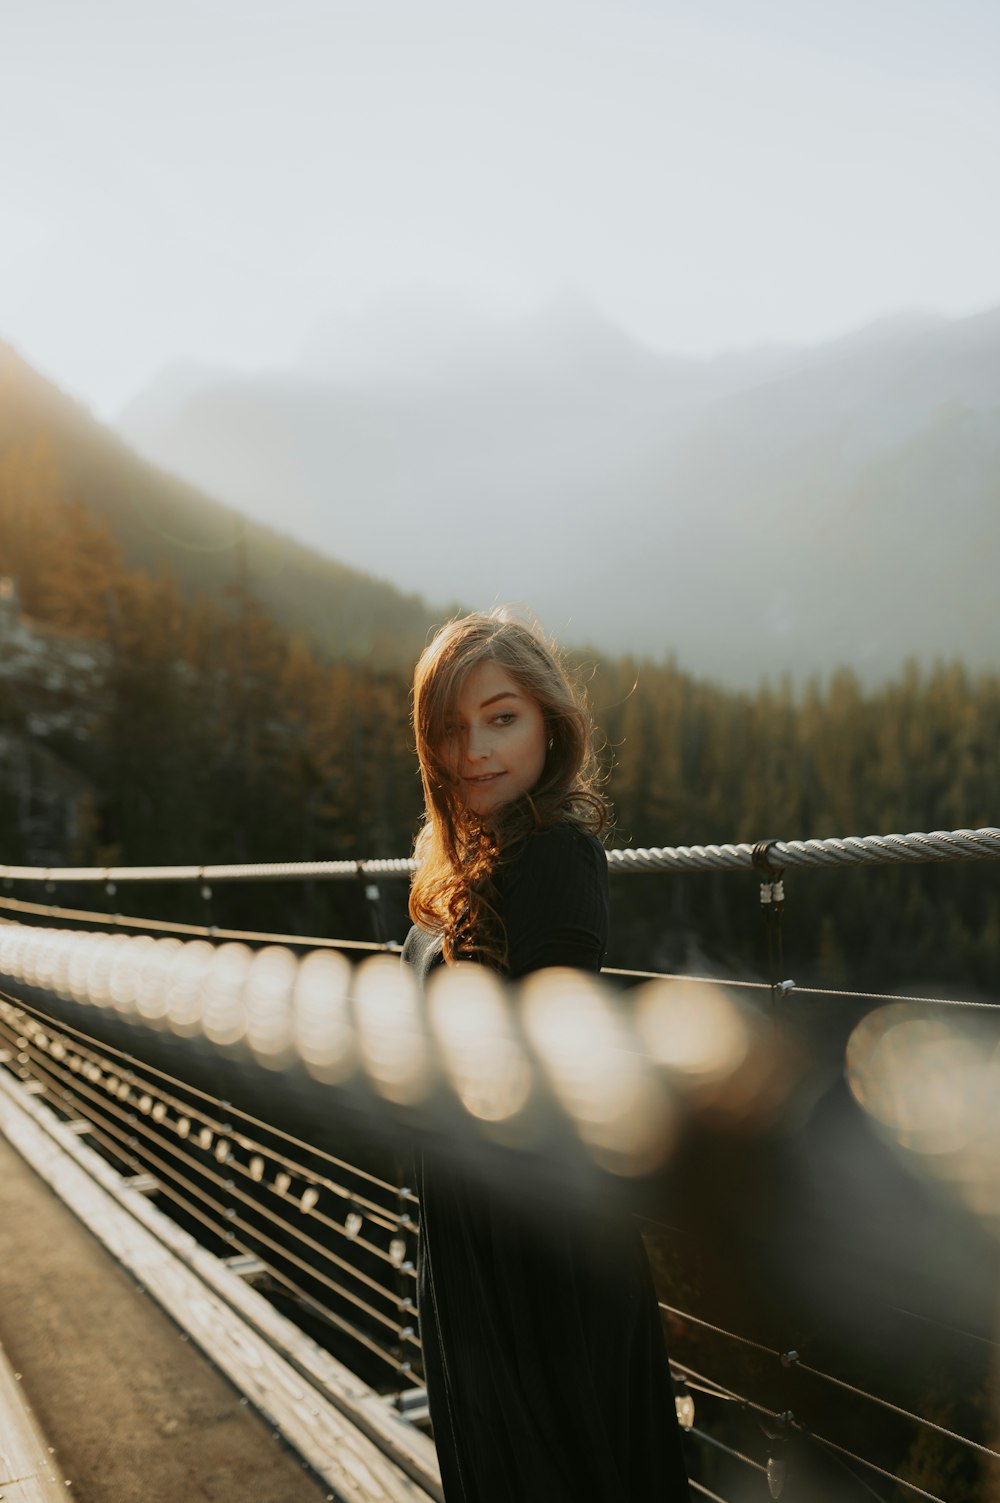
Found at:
(760, 855)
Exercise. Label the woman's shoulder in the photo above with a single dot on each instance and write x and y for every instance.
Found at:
(553, 900)
(561, 838)
(422, 950)
(555, 852)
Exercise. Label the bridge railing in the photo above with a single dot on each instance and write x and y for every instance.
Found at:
(144, 1031)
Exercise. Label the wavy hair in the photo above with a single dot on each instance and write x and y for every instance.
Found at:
(457, 851)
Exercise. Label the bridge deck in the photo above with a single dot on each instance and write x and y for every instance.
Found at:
(131, 1407)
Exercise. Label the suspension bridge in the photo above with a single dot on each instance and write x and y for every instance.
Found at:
(231, 1113)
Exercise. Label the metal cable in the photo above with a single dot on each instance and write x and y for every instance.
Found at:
(890, 1476)
(859, 1480)
(687, 1373)
(165, 1169)
(729, 1394)
(289, 1284)
(798, 991)
(613, 970)
(212, 931)
(918, 1419)
(721, 1446)
(224, 1130)
(78, 1086)
(709, 1392)
(94, 1130)
(943, 1326)
(705, 1492)
(227, 1236)
(115, 1111)
(392, 1218)
(842, 1450)
(719, 1330)
(334, 1226)
(70, 1079)
(838, 1382)
(850, 850)
(260, 871)
(819, 991)
(201, 931)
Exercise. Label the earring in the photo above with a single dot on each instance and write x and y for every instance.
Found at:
(552, 742)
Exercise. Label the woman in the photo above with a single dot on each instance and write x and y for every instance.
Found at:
(543, 1350)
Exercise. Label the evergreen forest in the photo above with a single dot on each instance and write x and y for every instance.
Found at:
(220, 734)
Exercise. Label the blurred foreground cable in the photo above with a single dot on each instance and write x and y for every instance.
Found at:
(560, 1067)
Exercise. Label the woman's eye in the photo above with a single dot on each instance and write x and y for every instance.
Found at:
(506, 717)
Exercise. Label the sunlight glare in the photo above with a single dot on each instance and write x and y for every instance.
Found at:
(623, 1113)
(487, 1067)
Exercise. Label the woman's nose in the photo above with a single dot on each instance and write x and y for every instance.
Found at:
(477, 743)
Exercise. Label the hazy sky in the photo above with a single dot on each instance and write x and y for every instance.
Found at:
(209, 178)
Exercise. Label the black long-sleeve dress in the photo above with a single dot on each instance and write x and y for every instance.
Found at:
(543, 1349)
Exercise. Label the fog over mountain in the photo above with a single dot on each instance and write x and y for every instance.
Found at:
(765, 510)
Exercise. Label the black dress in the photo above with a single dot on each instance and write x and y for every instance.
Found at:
(543, 1349)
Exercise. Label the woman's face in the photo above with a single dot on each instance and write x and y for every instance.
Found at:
(496, 743)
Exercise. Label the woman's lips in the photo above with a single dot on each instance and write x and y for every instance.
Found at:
(485, 777)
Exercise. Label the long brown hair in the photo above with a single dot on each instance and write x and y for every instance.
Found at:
(457, 852)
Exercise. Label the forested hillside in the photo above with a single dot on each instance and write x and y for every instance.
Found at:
(216, 735)
(51, 447)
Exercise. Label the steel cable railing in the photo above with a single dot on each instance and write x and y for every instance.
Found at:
(720, 1445)
(200, 931)
(78, 1095)
(970, 1336)
(851, 850)
(224, 1135)
(227, 1227)
(792, 1360)
(706, 1325)
(802, 1433)
(705, 1492)
(881, 1471)
(540, 1056)
(710, 1389)
(927, 1424)
(259, 937)
(616, 1097)
(122, 1140)
(128, 1126)
(373, 1210)
(251, 936)
(225, 1230)
(917, 1419)
(793, 989)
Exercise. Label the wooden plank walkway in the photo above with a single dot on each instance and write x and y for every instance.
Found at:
(132, 1409)
(28, 1468)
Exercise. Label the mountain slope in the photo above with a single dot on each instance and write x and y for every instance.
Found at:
(159, 520)
(759, 512)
